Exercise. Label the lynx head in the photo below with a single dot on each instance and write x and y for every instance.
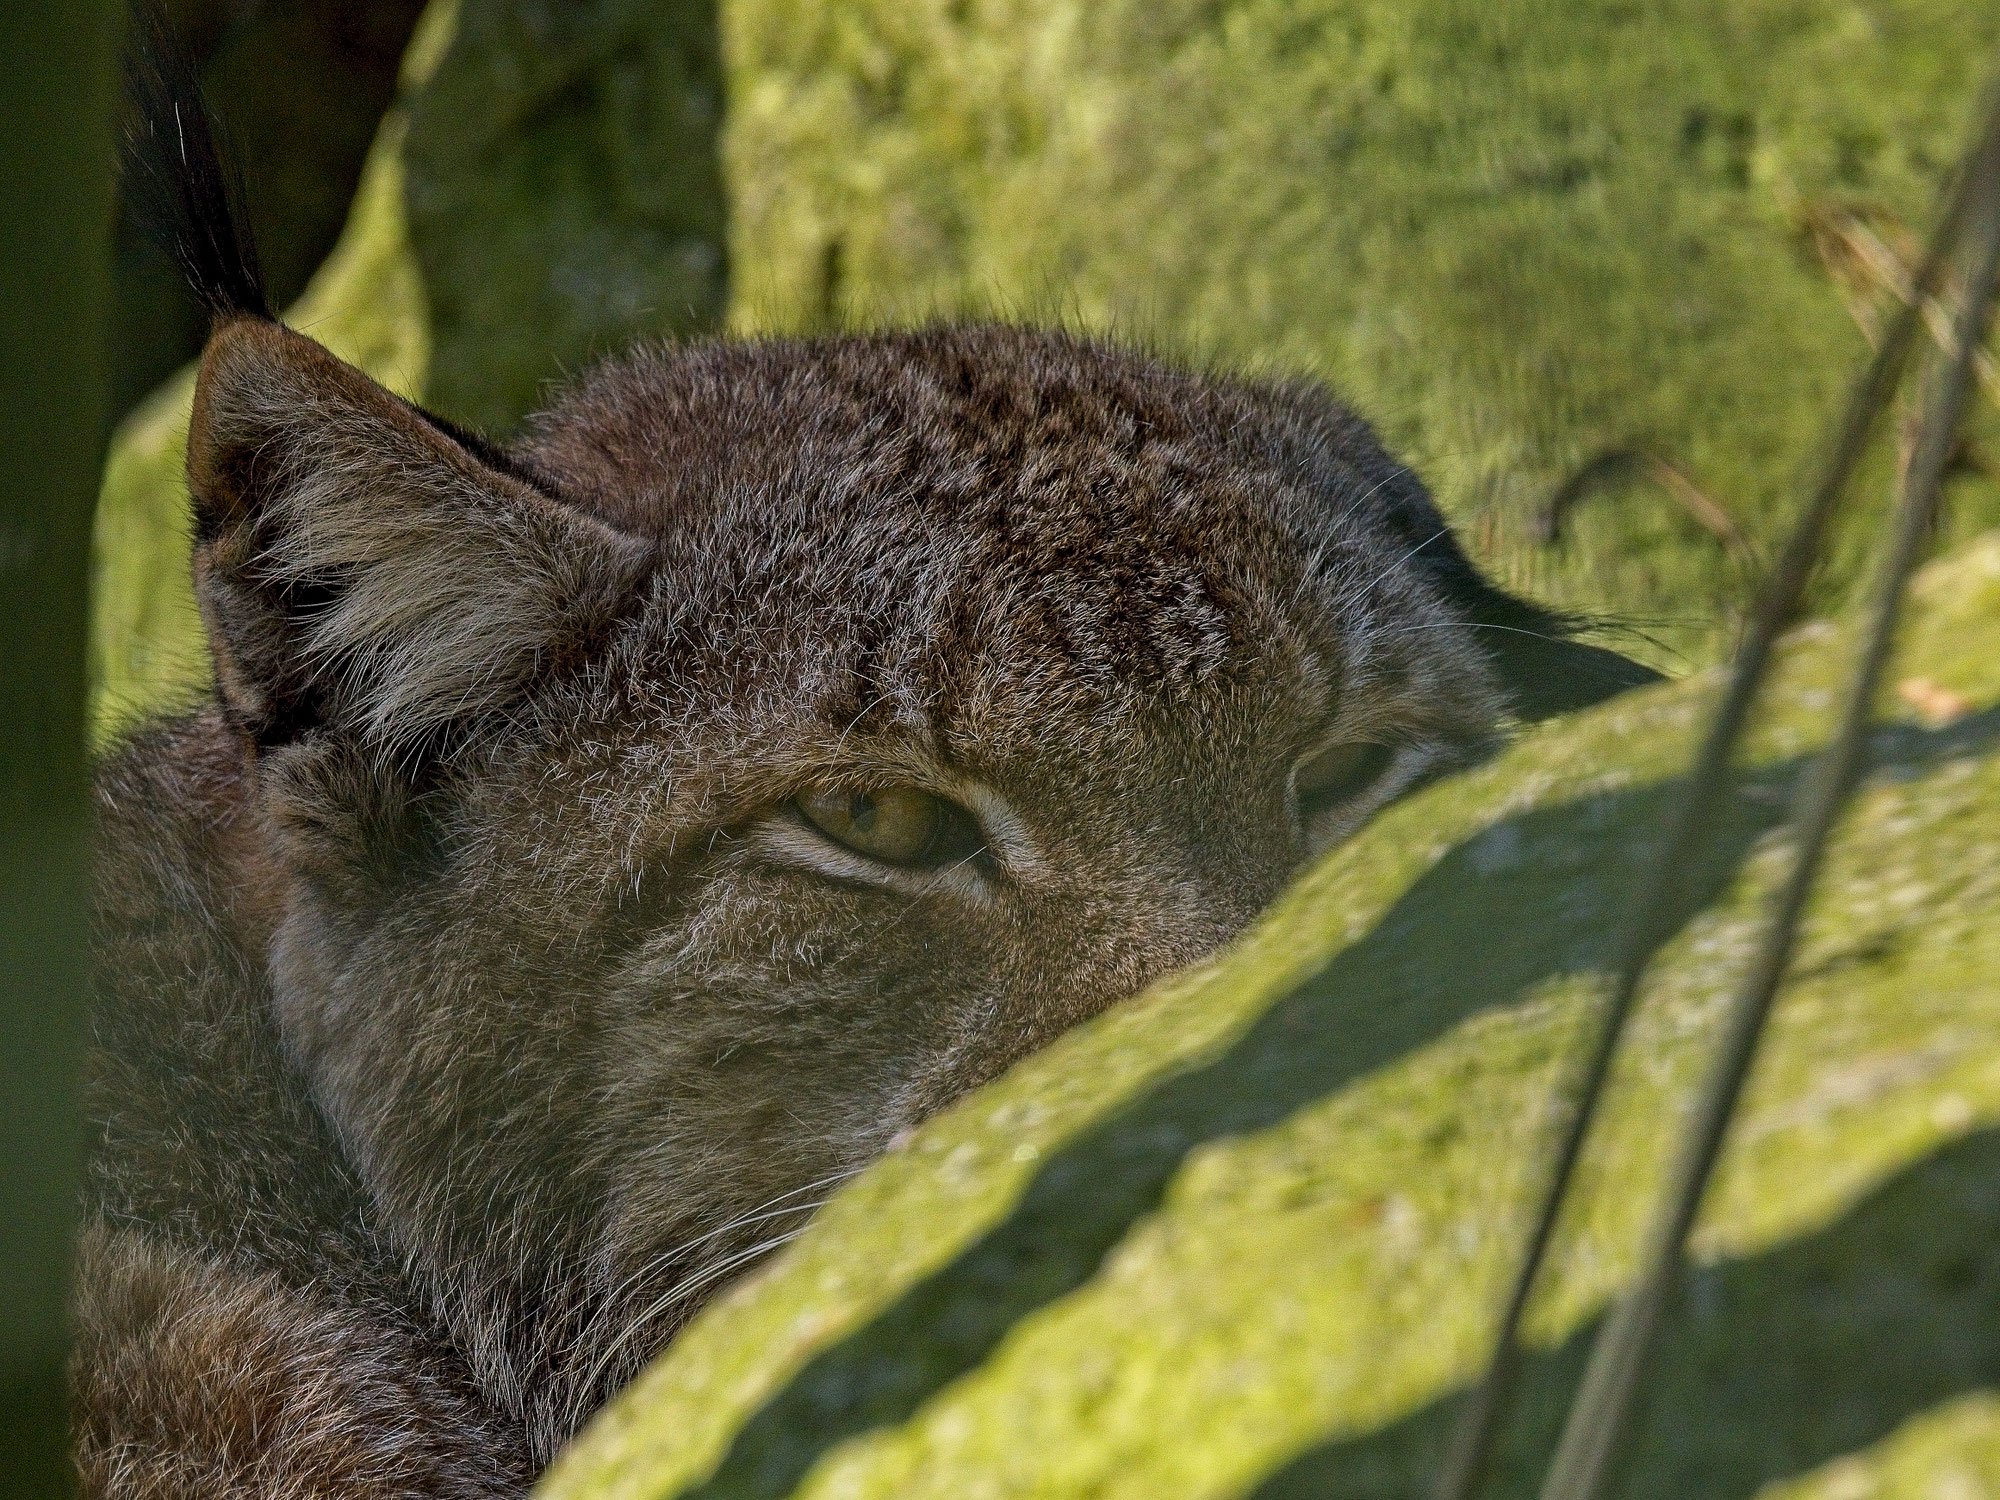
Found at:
(776, 742)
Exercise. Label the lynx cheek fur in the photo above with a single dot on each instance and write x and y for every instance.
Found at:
(596, 849)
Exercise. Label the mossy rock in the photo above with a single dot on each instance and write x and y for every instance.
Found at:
(546, 189)
(1534, 245)
(1245, 1235)
(1540, 252)
(564, 192)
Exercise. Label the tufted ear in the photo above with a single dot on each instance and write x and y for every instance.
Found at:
(362, 566)
(1544, 669)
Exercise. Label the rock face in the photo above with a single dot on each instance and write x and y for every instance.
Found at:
(564, 192)
(1244, 1236)
(1611, 266)
(1535, 249)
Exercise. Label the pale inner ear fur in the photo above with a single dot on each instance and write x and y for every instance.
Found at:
(359, 566)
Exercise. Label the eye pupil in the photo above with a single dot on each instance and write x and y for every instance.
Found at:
(861, 813)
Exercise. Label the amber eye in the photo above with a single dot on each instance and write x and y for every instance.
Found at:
(898, 825)
(1337, 774)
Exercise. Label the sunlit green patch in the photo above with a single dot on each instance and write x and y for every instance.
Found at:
(1524, 241)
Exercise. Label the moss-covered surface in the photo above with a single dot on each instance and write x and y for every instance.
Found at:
(1533, 248)
(565, 195)
(1521, 239)
(1244, 1235)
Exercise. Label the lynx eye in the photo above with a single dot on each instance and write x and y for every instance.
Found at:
(1338, 774)
(898, 825)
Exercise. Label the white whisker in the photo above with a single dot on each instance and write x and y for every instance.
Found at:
(667, 1300)
(609, 1305)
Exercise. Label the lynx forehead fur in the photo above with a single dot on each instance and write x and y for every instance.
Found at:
(513, 949)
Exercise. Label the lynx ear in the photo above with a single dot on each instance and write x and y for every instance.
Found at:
(1545, 671)
(361, 566)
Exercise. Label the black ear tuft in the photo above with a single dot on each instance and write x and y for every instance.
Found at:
(184, 190)
(1544, 668)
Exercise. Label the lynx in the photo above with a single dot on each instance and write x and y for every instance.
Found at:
(597, 846)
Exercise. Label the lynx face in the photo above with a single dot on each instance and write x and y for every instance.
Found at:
(778, 742)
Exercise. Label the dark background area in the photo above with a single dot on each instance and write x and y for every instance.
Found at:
(57, 75)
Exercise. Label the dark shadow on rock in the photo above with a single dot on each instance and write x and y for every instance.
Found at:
(565, 193)
(1486, 924)
(1769, 1366)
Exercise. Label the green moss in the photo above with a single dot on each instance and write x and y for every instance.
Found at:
(1517, 242)
(1952, 1453)
(146, 647)
(1245, 1234)
(564, 192)
(1521, 247)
